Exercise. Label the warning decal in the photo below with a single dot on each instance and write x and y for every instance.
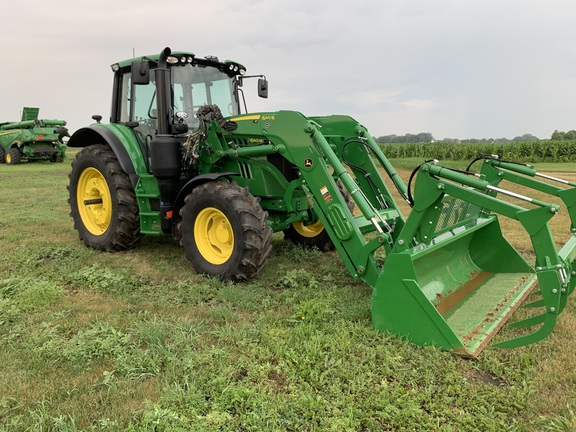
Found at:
(326, 194)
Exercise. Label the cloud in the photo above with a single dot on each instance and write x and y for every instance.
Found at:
(420, 104)
(456, 69)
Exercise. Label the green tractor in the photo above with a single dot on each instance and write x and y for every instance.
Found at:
(32, 139)
(182, 156)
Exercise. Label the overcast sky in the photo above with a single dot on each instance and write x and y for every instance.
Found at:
(455, 68)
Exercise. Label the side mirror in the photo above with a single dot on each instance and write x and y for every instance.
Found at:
(263, 88)
(140, 72)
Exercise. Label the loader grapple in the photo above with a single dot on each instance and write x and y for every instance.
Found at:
(459, 280)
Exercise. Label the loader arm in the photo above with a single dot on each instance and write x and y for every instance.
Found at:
(315, 148)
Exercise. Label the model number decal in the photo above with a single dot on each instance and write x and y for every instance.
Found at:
(268, 117)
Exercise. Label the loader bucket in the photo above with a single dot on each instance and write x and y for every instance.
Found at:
(455, 294)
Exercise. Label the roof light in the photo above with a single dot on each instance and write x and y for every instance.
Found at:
(183, 59)
(189, 59)
(242, 71)
(115, 67)
(172, 60)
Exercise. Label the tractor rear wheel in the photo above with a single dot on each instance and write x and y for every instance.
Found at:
(13, 156)
(102, 201)
(225, 232)
(314, 236)
(2, 155)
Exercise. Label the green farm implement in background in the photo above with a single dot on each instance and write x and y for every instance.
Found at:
(32, 139)
(182, 156)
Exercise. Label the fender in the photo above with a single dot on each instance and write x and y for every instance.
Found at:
(99, 134)
(197, 181)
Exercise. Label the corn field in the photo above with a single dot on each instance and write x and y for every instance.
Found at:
(529, 151)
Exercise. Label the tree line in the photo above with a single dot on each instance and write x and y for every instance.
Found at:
(564, 136)
(426, 137)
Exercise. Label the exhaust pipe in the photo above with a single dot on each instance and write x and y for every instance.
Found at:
(165, 147)
(163, 93)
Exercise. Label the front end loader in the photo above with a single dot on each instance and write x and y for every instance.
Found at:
(179, 157)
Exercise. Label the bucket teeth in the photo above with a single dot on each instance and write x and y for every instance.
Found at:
(528, 322)
(535, 304)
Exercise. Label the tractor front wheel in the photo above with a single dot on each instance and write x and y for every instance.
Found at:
(315, 236)
(225, 232)
(312, 236)
(102, 201)
(13, 156)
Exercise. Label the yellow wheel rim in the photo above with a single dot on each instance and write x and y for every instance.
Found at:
(214, 236)
(94, 201)
(308, 230)
(8, 158)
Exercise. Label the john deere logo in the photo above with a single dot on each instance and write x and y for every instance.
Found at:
(308, 163)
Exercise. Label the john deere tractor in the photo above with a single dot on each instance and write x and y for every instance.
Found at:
(182, 156)
(32, 139)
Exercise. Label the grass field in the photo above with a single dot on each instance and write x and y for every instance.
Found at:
(136, 341)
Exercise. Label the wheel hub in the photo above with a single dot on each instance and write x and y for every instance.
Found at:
(214, 236)
(94, 201)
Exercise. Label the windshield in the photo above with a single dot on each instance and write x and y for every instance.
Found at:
(199, 85)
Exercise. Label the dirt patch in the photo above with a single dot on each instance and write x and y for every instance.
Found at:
(481, 377)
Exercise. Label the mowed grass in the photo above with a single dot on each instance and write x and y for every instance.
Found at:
(137, 341)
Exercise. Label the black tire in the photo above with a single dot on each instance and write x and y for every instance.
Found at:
(315, 236)
(57, 158)
(12, 157)
(225, 232)
(102, 201)
(2, 155)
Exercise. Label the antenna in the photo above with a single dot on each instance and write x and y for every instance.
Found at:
(133, 53)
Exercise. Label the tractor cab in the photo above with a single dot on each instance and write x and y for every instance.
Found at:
(190, 83)
(161, 94)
